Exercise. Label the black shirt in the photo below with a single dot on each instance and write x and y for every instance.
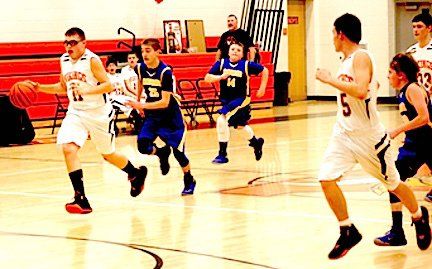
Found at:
(229, 37)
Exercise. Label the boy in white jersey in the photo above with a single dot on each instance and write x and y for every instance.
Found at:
(359, 137)
(129, 75)
(85, 81)
(422, 50)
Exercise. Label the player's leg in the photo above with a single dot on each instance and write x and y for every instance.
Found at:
(380, 164)
(406, 164)
(72, 136)
(145, 140)
(223, 134)
(174, 136)
(337, 160)
(188, 179)
(240, 119)
(102, 134)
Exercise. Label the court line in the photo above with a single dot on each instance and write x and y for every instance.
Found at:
(158, 259)
(200, 208)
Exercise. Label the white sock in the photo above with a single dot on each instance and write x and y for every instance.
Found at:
(346, 222)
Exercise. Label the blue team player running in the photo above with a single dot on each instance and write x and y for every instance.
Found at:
(233, 76)
(416, 111)
(163, 117)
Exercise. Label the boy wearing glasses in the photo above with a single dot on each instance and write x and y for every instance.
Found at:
(90, 112)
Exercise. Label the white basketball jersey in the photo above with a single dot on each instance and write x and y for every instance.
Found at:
(118, 83)
(355, 115)
(129, 74)
(76, 73)
(423, 57)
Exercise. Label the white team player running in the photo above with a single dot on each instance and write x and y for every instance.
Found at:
(90, 112)
(422, 50)
(359, 137)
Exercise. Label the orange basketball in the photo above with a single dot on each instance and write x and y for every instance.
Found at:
(22, 94)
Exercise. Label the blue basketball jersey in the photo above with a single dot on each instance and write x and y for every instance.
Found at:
(237, 84)
(406, 109)
(154, 81)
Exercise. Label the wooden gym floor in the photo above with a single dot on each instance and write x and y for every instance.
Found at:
(244, 214)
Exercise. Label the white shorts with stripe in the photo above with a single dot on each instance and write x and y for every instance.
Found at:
(370, 149)
(98, 123)
(118, 102)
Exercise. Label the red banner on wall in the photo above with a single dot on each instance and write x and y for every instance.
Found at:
(158, 1)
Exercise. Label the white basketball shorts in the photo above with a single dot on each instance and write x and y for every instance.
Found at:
(370, 150)
(98, 123)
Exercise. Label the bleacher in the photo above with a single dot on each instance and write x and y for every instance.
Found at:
(39, 61)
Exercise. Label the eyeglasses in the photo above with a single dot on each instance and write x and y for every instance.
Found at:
(71, 42)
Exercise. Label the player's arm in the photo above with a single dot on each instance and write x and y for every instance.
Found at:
(416, 96)
(59, 87)
(215, 75)
(252, 52)
(167, 90)
(362, 66)
(100, 74)
(263, 84)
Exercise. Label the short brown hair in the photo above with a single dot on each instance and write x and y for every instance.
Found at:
(153, 42)
(76, 31)
(405, 63)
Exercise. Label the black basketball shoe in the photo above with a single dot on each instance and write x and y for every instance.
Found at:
(423, 230)
(80, 205)
(137, 182)
(349, 237)
(163, 154)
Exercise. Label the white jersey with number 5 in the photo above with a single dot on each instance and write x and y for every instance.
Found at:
(76, 73)
(355, 115)
(423, 57)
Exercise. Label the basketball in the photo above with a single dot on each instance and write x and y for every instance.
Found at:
(22, 94)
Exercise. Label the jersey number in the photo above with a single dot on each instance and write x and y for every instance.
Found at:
(346, 110)
(425, 79)
(231, 82)
(153, 92)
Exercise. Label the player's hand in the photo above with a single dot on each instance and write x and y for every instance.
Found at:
(134, 104)
(260, 93)
(225, 75)
(323, 75)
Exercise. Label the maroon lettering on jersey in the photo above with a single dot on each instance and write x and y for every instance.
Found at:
(75, 75)
(424, 64)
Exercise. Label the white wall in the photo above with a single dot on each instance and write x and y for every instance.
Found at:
(45, 20)
(377, 31)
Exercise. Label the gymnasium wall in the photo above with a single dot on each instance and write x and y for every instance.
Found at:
(377, 19)
(47, 20)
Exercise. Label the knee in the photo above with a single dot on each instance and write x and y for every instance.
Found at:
(393, 198)
(221, 123)
(145, 146)
(70, 148)
(181, 158)
(328, 184)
